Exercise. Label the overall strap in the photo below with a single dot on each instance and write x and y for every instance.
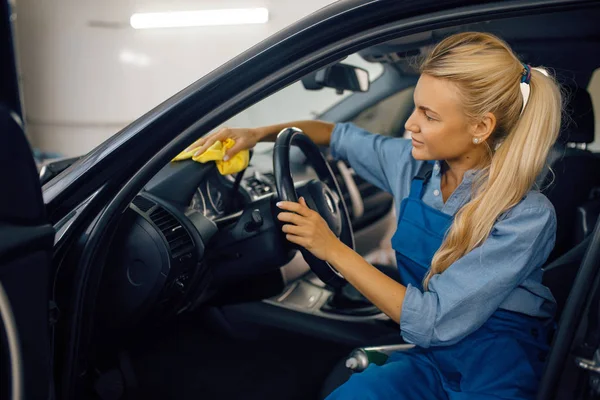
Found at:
(420, 179)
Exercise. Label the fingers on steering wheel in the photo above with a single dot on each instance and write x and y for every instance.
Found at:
(290, 217)
(291, 229)
(296, 240)
(297, 208)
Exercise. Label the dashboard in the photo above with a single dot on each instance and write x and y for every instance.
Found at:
(192, 231)
(214, 198)
(216, 195)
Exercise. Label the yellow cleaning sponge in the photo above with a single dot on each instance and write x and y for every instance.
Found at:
(216, 152)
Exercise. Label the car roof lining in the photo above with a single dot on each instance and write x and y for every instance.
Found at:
(567, 41)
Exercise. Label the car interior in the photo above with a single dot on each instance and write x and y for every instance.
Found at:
(202, 296)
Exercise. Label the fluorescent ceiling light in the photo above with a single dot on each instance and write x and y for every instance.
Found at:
(177, 19)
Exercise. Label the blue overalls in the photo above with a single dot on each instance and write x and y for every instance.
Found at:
(503, 359)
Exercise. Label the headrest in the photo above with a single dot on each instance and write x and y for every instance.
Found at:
(578, 122)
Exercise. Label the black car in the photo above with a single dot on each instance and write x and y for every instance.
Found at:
(129, 276)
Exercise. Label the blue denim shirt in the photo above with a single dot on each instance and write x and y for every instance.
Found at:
(505, 272)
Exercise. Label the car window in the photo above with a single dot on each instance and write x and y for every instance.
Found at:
(594, 90)
(296, 103)
(389, 115)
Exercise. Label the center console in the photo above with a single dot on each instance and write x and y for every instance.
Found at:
(308, 294)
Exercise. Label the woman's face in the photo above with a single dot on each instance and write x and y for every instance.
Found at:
(440, 129)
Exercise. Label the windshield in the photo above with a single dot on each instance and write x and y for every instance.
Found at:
(296, 103)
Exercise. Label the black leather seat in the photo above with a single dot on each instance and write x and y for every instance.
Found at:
(574, 169)
(560, 274)
(586, 217)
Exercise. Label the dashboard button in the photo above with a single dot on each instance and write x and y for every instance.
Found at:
(256, 221)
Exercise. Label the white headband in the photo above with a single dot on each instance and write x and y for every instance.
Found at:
(525, 90)
(524, 85)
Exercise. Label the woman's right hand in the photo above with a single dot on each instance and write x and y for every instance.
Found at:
(244, 138)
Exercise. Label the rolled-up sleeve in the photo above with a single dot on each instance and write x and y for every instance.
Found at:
(376, 158)
(460, 300)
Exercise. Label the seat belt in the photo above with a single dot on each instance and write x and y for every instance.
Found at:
(424, 172)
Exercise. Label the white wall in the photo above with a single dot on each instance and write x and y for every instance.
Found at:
(86, 73)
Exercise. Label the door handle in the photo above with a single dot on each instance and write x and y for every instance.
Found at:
(588, 365)
(593, 366)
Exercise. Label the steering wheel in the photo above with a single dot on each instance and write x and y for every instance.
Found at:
(322, 195)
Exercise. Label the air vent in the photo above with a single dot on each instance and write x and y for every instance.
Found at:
(269, 176)
(143, 203)
(261, 184)
(177, 237)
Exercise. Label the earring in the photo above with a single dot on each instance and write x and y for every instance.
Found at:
(476, 140)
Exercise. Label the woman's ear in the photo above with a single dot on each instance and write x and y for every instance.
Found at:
(484, 128)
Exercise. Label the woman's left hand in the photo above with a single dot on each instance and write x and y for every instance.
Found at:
(308, 229)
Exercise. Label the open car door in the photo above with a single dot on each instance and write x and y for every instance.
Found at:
(26, 241)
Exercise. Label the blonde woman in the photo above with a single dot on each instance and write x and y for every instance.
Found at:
(472, 235)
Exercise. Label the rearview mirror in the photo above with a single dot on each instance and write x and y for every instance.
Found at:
(339, 77)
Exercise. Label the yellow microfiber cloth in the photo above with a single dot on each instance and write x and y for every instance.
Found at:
(216, 152)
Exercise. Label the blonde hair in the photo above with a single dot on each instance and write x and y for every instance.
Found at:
(488, 76)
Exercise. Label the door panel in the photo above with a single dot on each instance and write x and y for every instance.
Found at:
(25, 280)
(26, 242)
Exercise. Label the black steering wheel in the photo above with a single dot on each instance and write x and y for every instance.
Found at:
(322, 195)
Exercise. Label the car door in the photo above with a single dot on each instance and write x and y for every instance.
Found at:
(129, 158)
(573, 365)
(26, 241)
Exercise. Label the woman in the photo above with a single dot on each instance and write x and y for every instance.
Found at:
(472, 236)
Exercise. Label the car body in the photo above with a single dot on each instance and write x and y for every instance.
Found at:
(58, 257)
